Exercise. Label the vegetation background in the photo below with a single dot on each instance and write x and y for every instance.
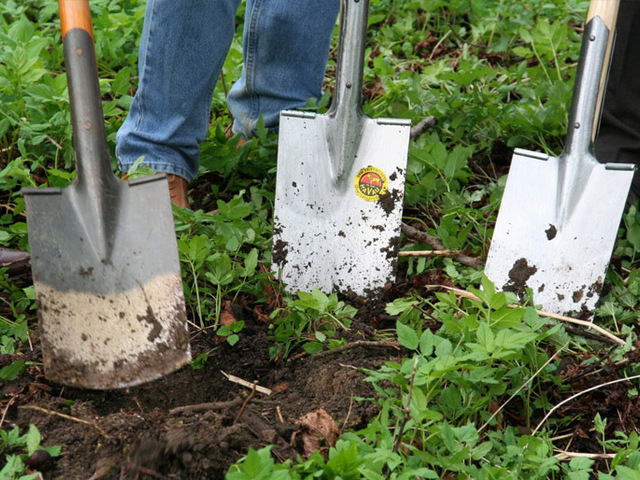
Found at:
(485, 390)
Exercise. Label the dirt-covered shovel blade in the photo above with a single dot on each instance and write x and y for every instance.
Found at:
(104, 253)
(559, 217)
(340, 183)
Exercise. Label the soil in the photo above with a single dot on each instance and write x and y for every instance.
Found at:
(195, 423)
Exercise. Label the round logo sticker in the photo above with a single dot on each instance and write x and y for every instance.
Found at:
(371, 183)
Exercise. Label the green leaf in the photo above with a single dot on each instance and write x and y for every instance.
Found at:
(120, 85)
(32, 439)
(426, 343)
(251, 262)
(407, 336)
(220, 270)
(312, 347)
(199, 362)
(11, 372)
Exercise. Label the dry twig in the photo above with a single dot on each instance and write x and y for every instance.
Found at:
(244, 383)
(435, 243)
(573, 397)
(430, 253)
(206, 407)
(245, 403)
(6, 409)
(422, 126)
(589, 325)
(66, 417)
(147, 471)
(562, 455)
(357, 343)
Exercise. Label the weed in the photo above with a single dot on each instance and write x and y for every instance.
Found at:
(496, 74)
(314, 320)
(12, 443)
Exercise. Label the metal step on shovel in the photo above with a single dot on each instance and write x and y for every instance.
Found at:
(340, 183)
(559, 217)
(104, 253)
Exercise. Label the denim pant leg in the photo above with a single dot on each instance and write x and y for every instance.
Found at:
(286, 48)
(183, 47)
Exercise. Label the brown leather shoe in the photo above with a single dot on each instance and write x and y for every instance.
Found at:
(177, 190)
(229, 134)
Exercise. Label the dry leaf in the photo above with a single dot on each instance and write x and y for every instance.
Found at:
(317, 431)
(227, 317)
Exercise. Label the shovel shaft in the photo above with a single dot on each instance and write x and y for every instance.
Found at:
(347, 100)
(346, 117)
(93, 157)
(584, 107)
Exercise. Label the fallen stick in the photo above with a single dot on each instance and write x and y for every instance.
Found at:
(244, 383)
(146, 471)
(6, 409)
(435, 243)
(66, 417)
(430, 253)
(245, 403)
(421, 127)
(357, 343)
(206, 407)
(562, 455)
(573, 397)
(542, 313)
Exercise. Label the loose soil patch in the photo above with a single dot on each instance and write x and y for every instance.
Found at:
(194, 424)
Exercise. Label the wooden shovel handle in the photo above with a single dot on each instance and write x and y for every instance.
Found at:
(607, 10)
(75, 14)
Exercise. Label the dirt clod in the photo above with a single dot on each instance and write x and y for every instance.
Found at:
(519, 275)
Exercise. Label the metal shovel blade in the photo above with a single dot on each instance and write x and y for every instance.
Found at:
(338, 234)
(563, 260)
(104, 253)
(109, 297)
(559, 216)
(340, 184)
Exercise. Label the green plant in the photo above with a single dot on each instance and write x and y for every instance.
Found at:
(495, 74)
(16, 464)
(258, 465)
(313, 320)
(220, 252)
(230, 332)
(441, 397)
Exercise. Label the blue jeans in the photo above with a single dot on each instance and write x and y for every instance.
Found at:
(182, 50)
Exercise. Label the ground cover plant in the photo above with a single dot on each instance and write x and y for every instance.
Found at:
(440, 377)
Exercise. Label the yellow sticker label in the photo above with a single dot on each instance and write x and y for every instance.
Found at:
(371, 183)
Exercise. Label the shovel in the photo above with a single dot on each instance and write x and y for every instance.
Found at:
(340, 183)
(104, 254)
(559, 217)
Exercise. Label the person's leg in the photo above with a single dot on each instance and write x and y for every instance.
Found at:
(182, 50)
(286, 48)
(619, 135)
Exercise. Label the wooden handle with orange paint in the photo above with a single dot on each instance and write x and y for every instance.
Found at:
(75, 14)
